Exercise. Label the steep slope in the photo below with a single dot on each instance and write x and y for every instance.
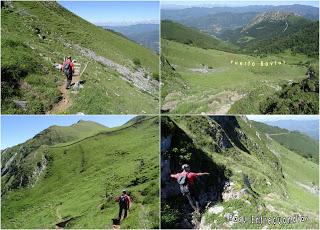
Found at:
(293, 97)
(115, 68)
(303, 41)
(15, 158)
(177, 32)
(172, 81)
(250, 175)
(75, 184)
(292, 140)
(274, 32)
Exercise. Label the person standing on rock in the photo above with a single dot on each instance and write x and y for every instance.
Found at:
(68, 69)
(186, 181)
(124, 204)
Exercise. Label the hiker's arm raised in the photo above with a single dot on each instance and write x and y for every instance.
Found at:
(204, 173)
(173, 176)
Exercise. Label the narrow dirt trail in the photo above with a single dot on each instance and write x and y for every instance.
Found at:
(277, 134)
(65, 102)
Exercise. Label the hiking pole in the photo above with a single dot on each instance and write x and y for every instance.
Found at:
(83, 70)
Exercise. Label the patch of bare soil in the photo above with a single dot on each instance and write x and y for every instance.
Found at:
(223, 102)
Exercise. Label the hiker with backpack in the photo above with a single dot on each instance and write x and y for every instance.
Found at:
(186, 181)
(68, 69)
(124, 204)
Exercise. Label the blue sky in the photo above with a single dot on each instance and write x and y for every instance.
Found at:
(281, 117)
(115, 12)
(19, 128)
(168, 3)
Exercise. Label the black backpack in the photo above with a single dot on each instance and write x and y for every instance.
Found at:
(184, 184)
(122, 201)
(67, 69)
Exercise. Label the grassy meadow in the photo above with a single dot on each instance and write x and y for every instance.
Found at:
(83, 177)
(51, 33)
(212, 84)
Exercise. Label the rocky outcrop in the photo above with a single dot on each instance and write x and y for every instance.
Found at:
(140, 78)
(7, 164)
(230, 193)
(177, 149)
(39, 169)
(232, 129)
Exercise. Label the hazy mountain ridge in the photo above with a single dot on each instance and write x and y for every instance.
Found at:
(294, 139)
(144, 34)
(308, 127)
(309, 12)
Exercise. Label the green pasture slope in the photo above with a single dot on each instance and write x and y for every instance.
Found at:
(82, 178)
(292, 140)
(50, 33)
(279, 182)
(301, 176)
(211, 83)
(176, 32)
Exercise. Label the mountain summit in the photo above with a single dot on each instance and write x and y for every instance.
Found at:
(74, 184)
(270, 16)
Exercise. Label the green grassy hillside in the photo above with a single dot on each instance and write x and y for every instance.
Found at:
(268, 25)
(274, 32)
(213, 82)
(292, 140)
(50, 34)
(77, 182)
(177, 32)
(250, 175)
(304, 40)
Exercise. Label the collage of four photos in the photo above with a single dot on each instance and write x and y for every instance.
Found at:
(160, 114)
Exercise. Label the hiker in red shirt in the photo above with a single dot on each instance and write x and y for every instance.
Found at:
(186, 180)
(68, 69)
(124, 204)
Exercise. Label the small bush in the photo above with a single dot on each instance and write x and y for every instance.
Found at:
(136, 61)
(156, 76)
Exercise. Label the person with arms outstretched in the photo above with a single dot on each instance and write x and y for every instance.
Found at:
(186, 180)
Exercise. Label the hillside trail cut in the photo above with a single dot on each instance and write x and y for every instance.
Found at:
(66, 102)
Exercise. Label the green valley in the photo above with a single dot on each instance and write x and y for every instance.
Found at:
(267, 66)
(69, 177)
(113, 68)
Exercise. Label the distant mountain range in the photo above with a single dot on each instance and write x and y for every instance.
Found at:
(308, 127)
(255, 29)
(309, 12)
(146, 35)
